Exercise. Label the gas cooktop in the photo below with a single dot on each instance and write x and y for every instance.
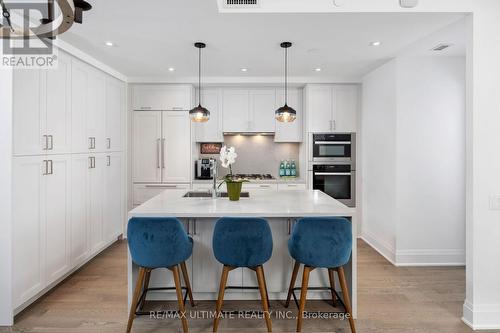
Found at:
(255, 176)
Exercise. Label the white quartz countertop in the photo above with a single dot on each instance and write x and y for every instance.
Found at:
(261, 203)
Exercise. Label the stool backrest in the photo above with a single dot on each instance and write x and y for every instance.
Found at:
(158, 242)
(242, 241)
(327, 241)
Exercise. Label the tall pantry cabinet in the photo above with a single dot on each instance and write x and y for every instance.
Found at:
(68, 171)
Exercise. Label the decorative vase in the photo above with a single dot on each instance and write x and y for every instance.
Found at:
(234, 190)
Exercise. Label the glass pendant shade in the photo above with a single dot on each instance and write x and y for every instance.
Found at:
(285, 114)
(199, 114)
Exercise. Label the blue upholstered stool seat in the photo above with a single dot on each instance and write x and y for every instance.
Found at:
(158, 242)
(321, 241)
(242, 242)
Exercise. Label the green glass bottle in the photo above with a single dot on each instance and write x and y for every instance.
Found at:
(287, 169)
(282, 168)
(293, 169)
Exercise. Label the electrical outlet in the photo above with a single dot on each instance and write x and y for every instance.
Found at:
(495, 202)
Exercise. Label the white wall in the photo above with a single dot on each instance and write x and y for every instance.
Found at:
(413, 124)
(431, 160)
(6, 315)
(378, 153)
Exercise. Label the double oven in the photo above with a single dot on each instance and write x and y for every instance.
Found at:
(333, 167)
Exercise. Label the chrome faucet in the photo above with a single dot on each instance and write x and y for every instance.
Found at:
(213, 167)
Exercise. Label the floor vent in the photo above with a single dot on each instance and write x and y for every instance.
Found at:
(441, 47)
(241, 3)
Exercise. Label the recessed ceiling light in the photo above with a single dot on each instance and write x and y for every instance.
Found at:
(317, 69)
(171, 69)
(244, 69)
(376, 43)
(110, 44)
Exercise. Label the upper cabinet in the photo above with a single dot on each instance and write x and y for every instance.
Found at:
(115, 114)
(162, 97)
(332, 108)
(248, 110)
(290, 132)
(210, 131)
(42, 109)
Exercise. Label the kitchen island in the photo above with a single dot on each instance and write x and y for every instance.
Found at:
(281, 209)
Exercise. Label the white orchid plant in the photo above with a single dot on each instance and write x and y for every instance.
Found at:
(228, 158)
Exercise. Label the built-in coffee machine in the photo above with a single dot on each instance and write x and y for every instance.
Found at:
(203, 169)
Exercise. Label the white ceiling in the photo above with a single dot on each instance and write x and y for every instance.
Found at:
(151, 36)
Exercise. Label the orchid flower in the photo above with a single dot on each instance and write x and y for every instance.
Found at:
(228, 157)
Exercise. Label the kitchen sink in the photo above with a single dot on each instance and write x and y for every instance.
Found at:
(197, 194)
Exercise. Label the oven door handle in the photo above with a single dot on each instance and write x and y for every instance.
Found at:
(333, 173)
(332, 142)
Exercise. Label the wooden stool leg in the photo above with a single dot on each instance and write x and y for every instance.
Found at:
(135, 297)
(263, 296)
(265, 287)
(185, 275)
(180, 300)
(147, 277)
(303, 296)
(345, 294)
(332, 285)
(222, 289)
(292, 282)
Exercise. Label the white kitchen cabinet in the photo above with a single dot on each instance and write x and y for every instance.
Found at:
(162, 147)
(176, 147)
(236, 110)
(247, 110)
(332, 108)
(147, 146)
(144, 192)
(41, 213)
(250, 187)
(79, 239)
(262, 110)
(319, 108)
(290, 132)
(113, 210)
(291, 186)
(115, 114)
(28, 213)
(79, 106)
(162, 97)
(346, 107)
(96, 201)
(58, 106)
(42, 110)
(210, 131)
(96, 111)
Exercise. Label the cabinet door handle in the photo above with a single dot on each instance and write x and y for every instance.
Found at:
(51, 164)
(46, 142)
(146, 107)
(163, 153)
(289, 224)
(92, 162)
(161, 186)
(90, 143)
(51, 142)
(45, 168)
(158, 153)
(108, 160)
(265, 186)
(93, 142)
(194, 227)
(177, 108)
(108, 140)
(188, 227)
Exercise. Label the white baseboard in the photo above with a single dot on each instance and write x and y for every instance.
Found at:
(430, 257)
(481, 317)
(386, 250)
(409, 258)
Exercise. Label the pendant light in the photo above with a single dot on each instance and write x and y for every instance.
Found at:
(286, 114)
(199, 114)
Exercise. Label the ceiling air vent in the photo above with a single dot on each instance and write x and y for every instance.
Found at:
(441, 47)
(241, 3)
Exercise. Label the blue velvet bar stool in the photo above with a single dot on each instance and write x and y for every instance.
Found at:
(321, 242)
(242, 242)
(159, 243)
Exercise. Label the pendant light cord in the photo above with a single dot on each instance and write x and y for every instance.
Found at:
(199, 76)
(286, 76)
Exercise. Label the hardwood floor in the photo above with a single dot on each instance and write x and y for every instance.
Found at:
(391, 300)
